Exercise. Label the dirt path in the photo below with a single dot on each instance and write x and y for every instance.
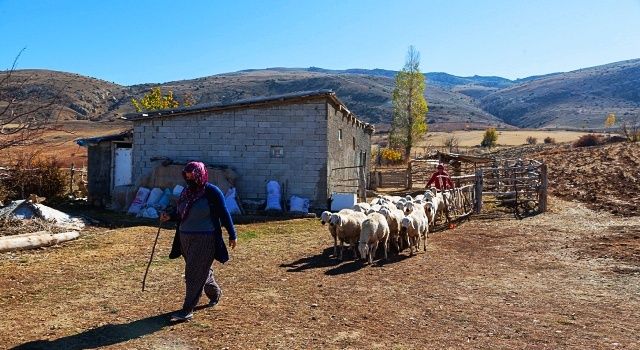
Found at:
(566, 279)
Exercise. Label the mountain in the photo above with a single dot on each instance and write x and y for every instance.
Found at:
(580, 98)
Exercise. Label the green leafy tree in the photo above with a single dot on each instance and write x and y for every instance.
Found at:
(409, 105)
(490, 138)
(155, 100)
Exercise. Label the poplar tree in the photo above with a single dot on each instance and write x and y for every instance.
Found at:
(409, 105)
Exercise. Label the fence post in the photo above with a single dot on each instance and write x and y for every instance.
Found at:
(542, 200)
(73, 171)
(409, 175)
(478, 194)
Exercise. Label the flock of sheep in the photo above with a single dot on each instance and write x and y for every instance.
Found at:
(389, 221)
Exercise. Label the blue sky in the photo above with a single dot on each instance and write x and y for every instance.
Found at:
(131, 42)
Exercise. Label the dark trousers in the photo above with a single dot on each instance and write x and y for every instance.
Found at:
(198, 251)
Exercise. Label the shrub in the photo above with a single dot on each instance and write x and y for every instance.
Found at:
(532, 140)
(490, 137)
(4, 193)
(43, 177)
(391, 155)
(549, 139)
(587, 140)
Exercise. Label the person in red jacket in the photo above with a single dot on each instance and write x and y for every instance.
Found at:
(440, 179)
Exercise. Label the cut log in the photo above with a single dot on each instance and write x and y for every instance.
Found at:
(31, 241)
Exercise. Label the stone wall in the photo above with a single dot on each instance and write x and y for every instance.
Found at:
(349, 145)
(248, 140)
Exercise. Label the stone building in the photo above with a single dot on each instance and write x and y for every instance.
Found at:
(308, 141)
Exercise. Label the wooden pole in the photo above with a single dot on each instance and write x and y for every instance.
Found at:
(153, 250)
(478, 183)
(542, 200)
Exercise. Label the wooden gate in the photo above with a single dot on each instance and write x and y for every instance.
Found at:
(519, 185)
(389, 178)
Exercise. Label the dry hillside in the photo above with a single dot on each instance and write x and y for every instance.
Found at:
(575, 99)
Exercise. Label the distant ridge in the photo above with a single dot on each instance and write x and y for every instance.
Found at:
(576, 99)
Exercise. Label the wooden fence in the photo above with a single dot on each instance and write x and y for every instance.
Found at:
(521, 185)
(516, 184)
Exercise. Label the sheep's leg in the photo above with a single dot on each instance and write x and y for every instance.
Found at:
(372, 251)
(341, 249)
(424, 240)
(396, 242)
(335, 246)
(386, 248)
(410, 246)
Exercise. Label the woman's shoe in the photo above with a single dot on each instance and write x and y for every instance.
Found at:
(180, 316)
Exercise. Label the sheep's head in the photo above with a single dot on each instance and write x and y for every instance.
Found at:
(363, 249)
(409, 208)
(408, 222)
(386, 212)
(334, 220)
(325, 217)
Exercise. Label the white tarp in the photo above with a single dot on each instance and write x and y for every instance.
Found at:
(22, 210)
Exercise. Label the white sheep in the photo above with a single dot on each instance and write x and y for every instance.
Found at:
(437, 203)
(325, 217)
(430, 211)
(375, 230)
(374, 209)
(361, 207)
(348, 226)
(416, 226)
(401, 204)
(411, 207)
(394, 217)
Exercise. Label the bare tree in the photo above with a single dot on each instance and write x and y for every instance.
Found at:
(26, 113)
(631, 129)
(451, 142)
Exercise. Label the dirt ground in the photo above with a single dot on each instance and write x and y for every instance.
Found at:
(569, 278)
(605, 177)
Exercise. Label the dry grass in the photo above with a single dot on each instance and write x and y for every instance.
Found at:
(505, 137)
(61, 144)
(500, 284)
(12, 226)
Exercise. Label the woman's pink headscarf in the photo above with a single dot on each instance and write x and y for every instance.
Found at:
(195, 188)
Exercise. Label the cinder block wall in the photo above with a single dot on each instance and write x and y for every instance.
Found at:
(242, 139)
(355, 143)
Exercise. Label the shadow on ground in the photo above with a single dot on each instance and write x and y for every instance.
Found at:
(103, 336)
(325, 259)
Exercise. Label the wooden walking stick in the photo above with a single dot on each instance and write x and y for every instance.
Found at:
(144, 279)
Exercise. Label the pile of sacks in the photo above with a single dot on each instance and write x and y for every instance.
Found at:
(149, 203)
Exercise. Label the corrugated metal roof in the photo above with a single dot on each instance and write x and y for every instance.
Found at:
(113, 137)
(244, 103)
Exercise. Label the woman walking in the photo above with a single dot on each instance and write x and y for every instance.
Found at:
(201, 213)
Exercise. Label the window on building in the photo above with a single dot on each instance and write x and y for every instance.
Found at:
(363, 158)
(354, 143)
(339, 134)
(277, 152)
